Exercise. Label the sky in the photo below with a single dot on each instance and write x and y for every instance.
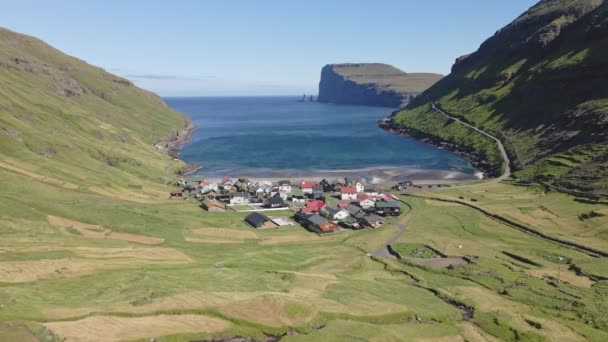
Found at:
(218, 48)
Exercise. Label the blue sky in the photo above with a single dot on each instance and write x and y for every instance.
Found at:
(257, 47)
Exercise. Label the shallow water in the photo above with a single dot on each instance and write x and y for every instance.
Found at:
(258, 136)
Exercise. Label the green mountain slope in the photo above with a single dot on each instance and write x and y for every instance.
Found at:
(67, 120)
(539, 85)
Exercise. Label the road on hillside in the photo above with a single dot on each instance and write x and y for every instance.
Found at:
(503, 152)
(383, 252)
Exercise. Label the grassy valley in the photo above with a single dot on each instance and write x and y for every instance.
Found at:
(93, 249)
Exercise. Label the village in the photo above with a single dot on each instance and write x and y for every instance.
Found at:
(319, 206)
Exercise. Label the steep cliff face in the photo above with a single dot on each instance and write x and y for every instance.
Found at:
(371, 84)
(538, 84)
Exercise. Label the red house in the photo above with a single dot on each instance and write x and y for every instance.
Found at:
(313, 207)
(307, 186)
(348, 193)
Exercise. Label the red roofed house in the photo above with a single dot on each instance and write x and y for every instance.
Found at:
(225, 180)
(348, 193)
(387, 196)
(307, 186)
(343, 204)
(313, 207)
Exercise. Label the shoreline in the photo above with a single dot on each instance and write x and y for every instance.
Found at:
(474, 157)
(373, 175)
(173, 144)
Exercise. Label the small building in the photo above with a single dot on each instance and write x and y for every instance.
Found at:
(176, 193)
(213, 206)
(314, 206)
(318, 190)
(321, 224)
(237, 198)
(301, 217)
(371, 192)
(327, 187)
(334, 213)
(307, 186)
(298, 198)
(388, 208)
(350, 223)
(403, 185)
(373, 221)
(285, 186)
(348, 193)
(365, 201)
(257, 220)
(353, 209)
(274, 202)
(359, 186)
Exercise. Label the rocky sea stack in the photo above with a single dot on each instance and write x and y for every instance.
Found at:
(371, 84)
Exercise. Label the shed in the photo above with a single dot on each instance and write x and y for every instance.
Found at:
(257, 220)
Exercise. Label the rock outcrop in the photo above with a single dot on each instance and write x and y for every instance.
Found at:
(371, 84)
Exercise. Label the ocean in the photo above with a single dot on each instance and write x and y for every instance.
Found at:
(279, 136)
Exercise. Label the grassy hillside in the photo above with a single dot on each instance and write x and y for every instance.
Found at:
(66, 120)
(538, 84)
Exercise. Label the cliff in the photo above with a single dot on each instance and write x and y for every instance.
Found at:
(538, 84)
(371, 84)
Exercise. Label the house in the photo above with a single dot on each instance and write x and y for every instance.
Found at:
(257, 220)
(225, 180)
(353, 209)
(239, 198)
(176, 193)
(371, 192)
(334, 213)
(318, 190)
(307, 186)
(298, 199)
(350, 223)
(264, 188)
(285, 186)
(365, 201)
(348, 193)
(327, 187)
(388, 208)
(403, 185)
(373, 221)
(359, 186)
(213, 206)
(321, 224)
(282, 221)
(315, 206)
(301, 217)
(274, 202)
(343, 205)
(387, 196)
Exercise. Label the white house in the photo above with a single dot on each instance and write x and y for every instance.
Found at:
(239, 198)
(348, 193)
(285, 186)
(359, 186)
(334, 213)
(365, 201)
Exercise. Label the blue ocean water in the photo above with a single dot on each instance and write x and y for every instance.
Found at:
(248, 135)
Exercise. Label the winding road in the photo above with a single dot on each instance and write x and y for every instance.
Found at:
(383, 251)
(503, 152)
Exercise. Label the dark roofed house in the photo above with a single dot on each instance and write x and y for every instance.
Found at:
(321, 224)
(274, 202)
(257, 220)
(388, 208)
(353, 209)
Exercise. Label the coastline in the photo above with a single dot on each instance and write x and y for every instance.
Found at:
(374, 175)
(475, 158)
(173, 144)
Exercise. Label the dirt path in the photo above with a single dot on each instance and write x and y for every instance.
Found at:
(384, 251)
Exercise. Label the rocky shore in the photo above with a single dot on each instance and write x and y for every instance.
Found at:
(173, 144)
(477, 159)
